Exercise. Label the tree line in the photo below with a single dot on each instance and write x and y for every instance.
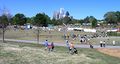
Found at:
(42, 19)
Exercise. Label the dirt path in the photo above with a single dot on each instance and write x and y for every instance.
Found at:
(111, 52)
(61, 44)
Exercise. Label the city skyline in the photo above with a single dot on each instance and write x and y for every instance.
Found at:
(79, 9)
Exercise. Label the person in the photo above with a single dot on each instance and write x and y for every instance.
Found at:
(49, 47)
(113, 43)
(68, 46)
(46, 44)
(73, 49)
(101, 43)
(104, 44)
(71, 45)
(52, 46)
(91, 46)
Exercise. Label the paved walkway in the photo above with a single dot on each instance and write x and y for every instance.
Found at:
(61, 44)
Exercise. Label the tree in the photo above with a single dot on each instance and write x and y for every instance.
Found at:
(118, 16)
(86, 20)
(93, 21)
(81, 21)
(40, 20)
(29, 20)
(66, 20)
(19, 19)
(4, 23)
(110, 17)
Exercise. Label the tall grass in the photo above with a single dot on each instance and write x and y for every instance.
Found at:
(20, 53)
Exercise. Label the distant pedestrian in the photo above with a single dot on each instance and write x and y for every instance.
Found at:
(71, 45)
(104, 44)
(46, 44)
(113, 43)
(68, 45)
(73, 50)
(101, 43)
(49, 47)
(52, 46)
(91, 46)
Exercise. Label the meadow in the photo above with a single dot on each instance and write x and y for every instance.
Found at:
(23, 53)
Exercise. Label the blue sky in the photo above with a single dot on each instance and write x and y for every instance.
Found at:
(79, 9)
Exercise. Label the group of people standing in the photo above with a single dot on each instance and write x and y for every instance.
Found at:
(49, 47)
(70, 46)
(102, 43)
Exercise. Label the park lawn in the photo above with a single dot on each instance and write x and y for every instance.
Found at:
(54, 36)
(24, 53)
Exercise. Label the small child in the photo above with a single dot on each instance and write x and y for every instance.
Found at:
(49, 48)
(52, 46)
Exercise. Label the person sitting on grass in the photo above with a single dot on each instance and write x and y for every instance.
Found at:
(104, 44)
(73, 49)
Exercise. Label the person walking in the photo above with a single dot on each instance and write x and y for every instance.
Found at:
(101, 43)
(46, 44)
(113, 42)
(52, 46)
(104, 44)
(68, 45)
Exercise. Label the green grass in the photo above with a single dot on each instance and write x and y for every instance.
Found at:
(54, 36)
(21, 53)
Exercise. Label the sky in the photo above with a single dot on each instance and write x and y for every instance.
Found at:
(79, 9)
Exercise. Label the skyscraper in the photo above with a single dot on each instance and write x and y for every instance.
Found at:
(61, 13)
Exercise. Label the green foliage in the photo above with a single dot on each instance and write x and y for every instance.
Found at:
(90, 19)
(19, 19)
(112, 17)
(56, 22)
(41, 19)
(3, 21)
(86, 20)
(81, 21)
(93, 21)
(29, 20)
(66, 20)
(113, 34)
(118, 16)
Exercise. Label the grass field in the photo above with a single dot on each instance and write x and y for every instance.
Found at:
(54, 36)
(21, 53)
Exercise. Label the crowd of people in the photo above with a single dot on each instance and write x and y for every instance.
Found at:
(50, 47)
(70, 46)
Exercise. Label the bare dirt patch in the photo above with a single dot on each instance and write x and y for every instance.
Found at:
(111, 52)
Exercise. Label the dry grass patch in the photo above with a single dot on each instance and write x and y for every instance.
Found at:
(112, 52)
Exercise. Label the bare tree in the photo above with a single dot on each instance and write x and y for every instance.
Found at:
(4, 22)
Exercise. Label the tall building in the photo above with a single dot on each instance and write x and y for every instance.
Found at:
(60, 14)
(56, 15)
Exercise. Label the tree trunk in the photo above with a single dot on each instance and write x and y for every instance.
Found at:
(3, 35)
(38, 36)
